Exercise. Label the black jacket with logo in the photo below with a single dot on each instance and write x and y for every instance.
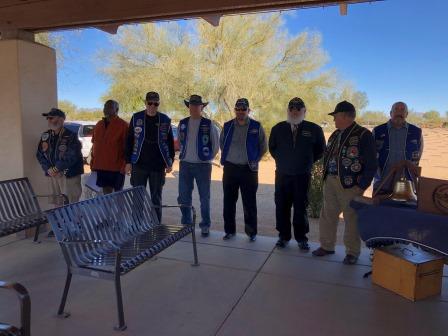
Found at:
(294, 158)
(62, 151)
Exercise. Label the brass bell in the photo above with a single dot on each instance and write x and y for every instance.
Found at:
(403, 191)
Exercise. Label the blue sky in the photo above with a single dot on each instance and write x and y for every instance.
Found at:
(392, 50)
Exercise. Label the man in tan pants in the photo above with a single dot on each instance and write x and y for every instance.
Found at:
(349, 167)
(59, 154)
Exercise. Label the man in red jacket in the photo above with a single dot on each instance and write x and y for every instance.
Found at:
(108, 157)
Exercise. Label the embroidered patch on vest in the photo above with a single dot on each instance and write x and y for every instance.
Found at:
(44, 146)
(139, 122)
(356, 167)
(348, 180)
(353, 141)
(45, 136)
(346, 162)
(352, 152)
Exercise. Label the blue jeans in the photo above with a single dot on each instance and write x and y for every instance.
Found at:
(202, 173)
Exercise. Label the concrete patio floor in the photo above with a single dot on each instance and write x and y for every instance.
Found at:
(240, 288)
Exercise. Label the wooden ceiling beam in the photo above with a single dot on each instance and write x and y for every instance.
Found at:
(43, 15)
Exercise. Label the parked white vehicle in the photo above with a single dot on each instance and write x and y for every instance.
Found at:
(84, 129)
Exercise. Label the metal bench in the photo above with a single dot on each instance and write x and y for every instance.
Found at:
(19, 208)
(25, 312)
(108, 236)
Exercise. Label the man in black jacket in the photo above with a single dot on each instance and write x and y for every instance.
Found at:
(349, 166)
(295, 145)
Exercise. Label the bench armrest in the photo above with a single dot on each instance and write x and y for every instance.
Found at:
(108, 243)
(25, 305)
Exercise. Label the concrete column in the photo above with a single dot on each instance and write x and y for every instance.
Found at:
(28, 88)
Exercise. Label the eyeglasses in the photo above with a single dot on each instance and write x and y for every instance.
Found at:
(240, 109)
(153, 103)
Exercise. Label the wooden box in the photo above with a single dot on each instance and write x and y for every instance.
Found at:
(408, 271)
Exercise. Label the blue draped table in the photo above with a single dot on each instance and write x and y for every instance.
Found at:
(397, 222)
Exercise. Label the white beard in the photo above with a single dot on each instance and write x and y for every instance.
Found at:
(295, 121)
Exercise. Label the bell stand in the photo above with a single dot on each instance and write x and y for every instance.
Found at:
(396, 172)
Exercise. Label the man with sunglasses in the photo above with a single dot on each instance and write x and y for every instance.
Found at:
(295, 144)
(59, 154)
(199, 144)
(243, 144)
(150, 149)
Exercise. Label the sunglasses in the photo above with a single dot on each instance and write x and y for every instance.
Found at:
(240, 109)
(153, 103)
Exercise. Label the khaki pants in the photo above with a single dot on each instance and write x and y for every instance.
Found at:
(337, 200)
(69, 186)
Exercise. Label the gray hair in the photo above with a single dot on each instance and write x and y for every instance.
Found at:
(394, 106)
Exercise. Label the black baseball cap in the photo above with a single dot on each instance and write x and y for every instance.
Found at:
(296, 103)
(242, 102)
(152, 96)
(54, 112)
(344, 107)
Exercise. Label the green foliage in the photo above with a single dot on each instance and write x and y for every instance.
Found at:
(316, 187)
(433, 116)
(249, 56)
(372, 118)
(83, 114)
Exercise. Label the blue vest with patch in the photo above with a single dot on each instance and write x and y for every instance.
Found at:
(252, 142)
(139, 136)
(204, 143)
(411, 151)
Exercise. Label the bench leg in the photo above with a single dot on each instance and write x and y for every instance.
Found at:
(36, 235)
(195, 252)
(68, 280)
(121, 324)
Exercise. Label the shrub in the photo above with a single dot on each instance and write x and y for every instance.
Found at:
(315, 194)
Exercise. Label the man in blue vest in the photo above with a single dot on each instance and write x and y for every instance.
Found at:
(349, 166)
(396, 141)
(243, 144)
(199, 144)
(150, 149)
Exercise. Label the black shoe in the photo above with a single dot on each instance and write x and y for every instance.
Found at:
(321, 252)
(281, 243)
(205, 232)
(350, 259)
(304, 246)
(50, 234)
(252, 238)
(228, 236)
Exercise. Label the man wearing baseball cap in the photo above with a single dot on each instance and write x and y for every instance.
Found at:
(349, 166)
(199, 144)
(243, 144)
(295, 144)
(150, 149)
(59, 154)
